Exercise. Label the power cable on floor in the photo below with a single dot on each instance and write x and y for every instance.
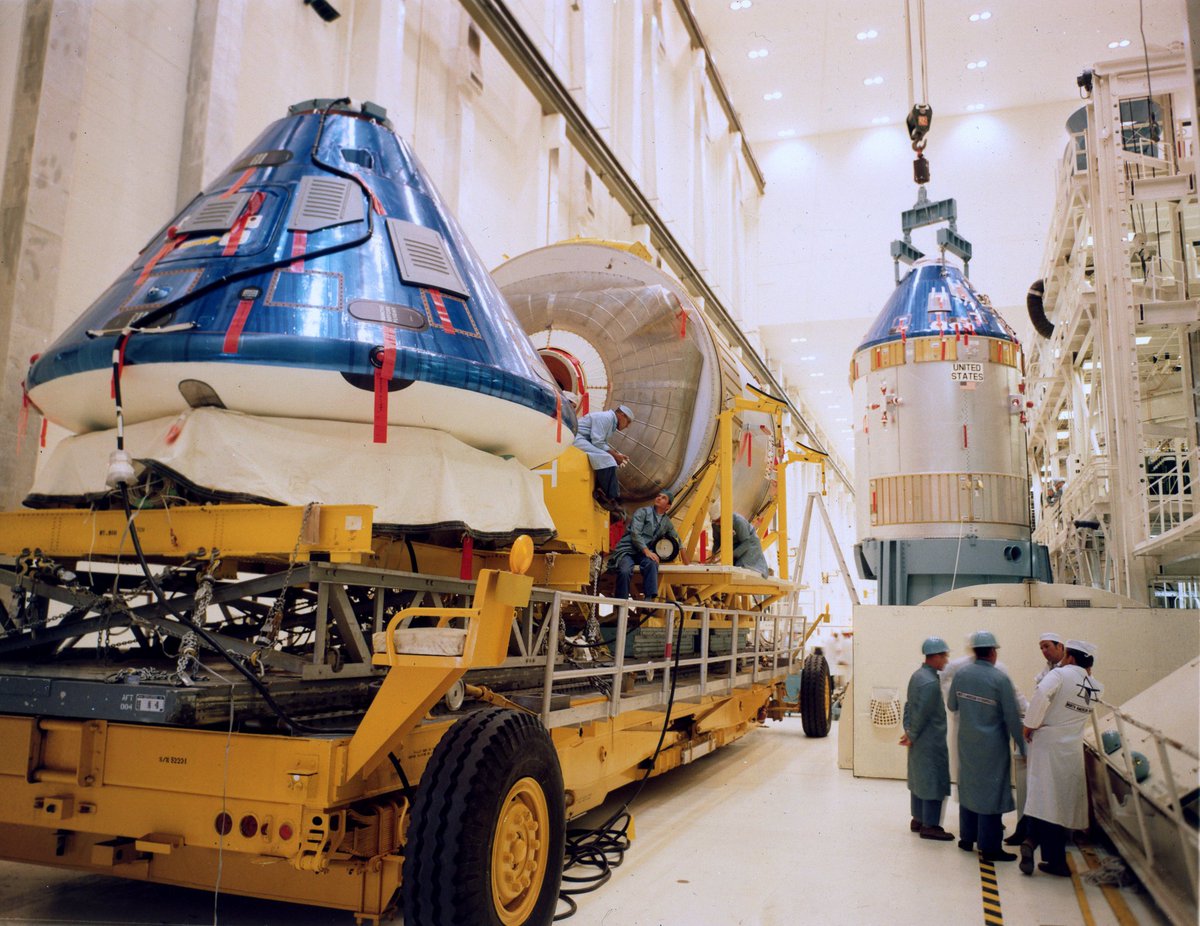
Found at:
(603, 847)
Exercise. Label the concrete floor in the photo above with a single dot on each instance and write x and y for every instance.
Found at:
(766, 832)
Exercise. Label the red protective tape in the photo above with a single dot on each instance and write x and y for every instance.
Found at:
(299, 243)
(233, 334)
(173, 241)
(239, 227)
(240, 182)
(440, 307)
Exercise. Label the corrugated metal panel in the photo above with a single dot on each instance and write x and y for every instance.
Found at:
(323, 202)
(423, 257)
(214, 214)
(930, 498)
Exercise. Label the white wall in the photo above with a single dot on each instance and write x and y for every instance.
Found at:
(12, 17)
(833, 206)
(887, 650)
(126, 166)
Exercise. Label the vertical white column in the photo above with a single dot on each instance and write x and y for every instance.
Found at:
(377, 53)
(702, 253)
(33, 208)
(1117, 353)
(553, 212)
(212, 95)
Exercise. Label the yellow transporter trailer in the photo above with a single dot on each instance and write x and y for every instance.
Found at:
(398, 738)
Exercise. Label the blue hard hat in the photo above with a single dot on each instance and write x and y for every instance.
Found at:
(934, 645)
(1141, 766)
(1111, 740)
(983, 638)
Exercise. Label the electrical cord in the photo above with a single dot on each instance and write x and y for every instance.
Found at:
(293, 726)
(174, 305)
(603, 847)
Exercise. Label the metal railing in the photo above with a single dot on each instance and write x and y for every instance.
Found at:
(1168, 803)
(771, 641)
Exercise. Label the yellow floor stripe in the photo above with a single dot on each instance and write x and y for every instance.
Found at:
(989, 891)
(1120, 909)
(1084, 907)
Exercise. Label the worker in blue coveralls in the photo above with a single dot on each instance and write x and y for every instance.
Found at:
(636, 546)
(747, 548)
(925, 737)
(591, 436)
(988, 717)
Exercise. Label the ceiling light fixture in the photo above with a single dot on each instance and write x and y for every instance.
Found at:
(816, 374)
(872, 81)
(980, 17)
(975, 107)
(1123, 43)
(1144, 339)
(757, 53)
(826, 392)
(773, 96)
(880, 120)
(799, 340)
(740, 4)
(787, 133)
(869, 34)
(981, 63)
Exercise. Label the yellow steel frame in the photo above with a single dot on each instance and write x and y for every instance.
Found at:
(342, 532)
(716, 482)
(415, 683)
(74, 793)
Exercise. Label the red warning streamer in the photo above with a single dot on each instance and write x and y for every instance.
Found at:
(383, 376)
(468, 553)
(375, 203)
(23, 418)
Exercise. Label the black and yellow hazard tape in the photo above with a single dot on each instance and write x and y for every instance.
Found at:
(989, 890)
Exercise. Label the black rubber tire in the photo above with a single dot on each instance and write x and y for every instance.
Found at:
(447, 873)
(816, 696)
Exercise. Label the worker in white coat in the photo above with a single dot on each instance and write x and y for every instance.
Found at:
(1056, 801)
(1051, 646)
(591, 436)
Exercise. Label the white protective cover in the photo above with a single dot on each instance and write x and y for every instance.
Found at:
(420, 478)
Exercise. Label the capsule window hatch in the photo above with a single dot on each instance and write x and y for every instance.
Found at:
(215, 214)
(322, 202)
(423, 258)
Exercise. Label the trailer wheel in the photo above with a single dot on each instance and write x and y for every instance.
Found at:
(816, 696)
(486, 838)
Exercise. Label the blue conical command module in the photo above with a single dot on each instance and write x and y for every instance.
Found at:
(935, 300)
(319, 271)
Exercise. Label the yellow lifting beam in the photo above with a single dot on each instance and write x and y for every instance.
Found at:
(342, 532)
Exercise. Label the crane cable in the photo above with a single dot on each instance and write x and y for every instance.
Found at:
(920, 114)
